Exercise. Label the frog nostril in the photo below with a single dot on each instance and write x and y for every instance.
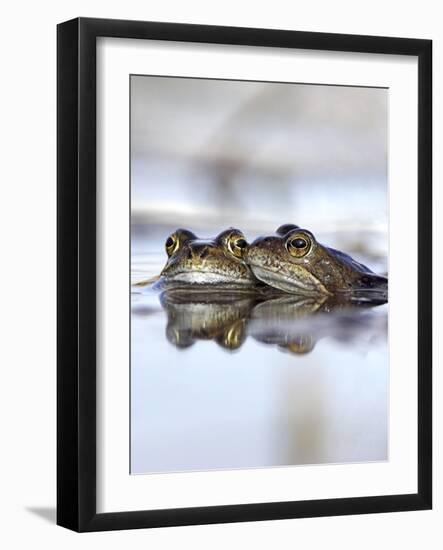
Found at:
(199, 252)
(204, 253)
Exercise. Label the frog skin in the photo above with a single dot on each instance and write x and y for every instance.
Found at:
(201, 263)
(295, 262)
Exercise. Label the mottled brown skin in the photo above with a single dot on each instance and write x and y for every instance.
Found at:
(295, 262)
(201, 263)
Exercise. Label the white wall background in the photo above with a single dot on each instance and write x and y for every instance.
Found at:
(27, 222)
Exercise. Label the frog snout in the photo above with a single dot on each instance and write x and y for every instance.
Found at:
(372, 281)
(200, 251)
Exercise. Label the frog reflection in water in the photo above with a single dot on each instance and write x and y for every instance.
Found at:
(292, 323)
(198, 263)
(295, 262)
(196, 316)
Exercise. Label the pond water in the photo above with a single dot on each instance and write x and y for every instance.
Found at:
(222, 381)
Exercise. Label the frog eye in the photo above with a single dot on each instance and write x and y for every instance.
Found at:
(171, 244)
(237, 245)
(298, 245)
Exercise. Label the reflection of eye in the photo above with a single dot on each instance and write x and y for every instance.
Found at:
(233, 337)
(297, 245)
(237, 245)
(304, 343)
(171, 244)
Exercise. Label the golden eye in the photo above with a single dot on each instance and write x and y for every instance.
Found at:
(171, 244)
(298, 245)
(237, 245)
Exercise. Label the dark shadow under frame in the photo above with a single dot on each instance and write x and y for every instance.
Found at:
(76, 273)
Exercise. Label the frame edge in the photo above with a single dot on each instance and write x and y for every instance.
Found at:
(424, 359)
(67, 278)
(76, 383)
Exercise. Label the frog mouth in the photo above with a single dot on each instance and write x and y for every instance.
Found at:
(202, 277)
(371, 288)
(305, 285)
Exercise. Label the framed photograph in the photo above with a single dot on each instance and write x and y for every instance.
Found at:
(244, 274)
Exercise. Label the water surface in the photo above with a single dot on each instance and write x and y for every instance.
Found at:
(228, 382)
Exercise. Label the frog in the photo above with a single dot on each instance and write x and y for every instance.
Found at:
(294, 262)
(217, 263)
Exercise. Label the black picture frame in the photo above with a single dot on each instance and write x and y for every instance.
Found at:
(76, 278)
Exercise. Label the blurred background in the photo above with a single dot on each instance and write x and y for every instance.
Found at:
(208, 154)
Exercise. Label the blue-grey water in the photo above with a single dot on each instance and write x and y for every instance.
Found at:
(244, 385)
